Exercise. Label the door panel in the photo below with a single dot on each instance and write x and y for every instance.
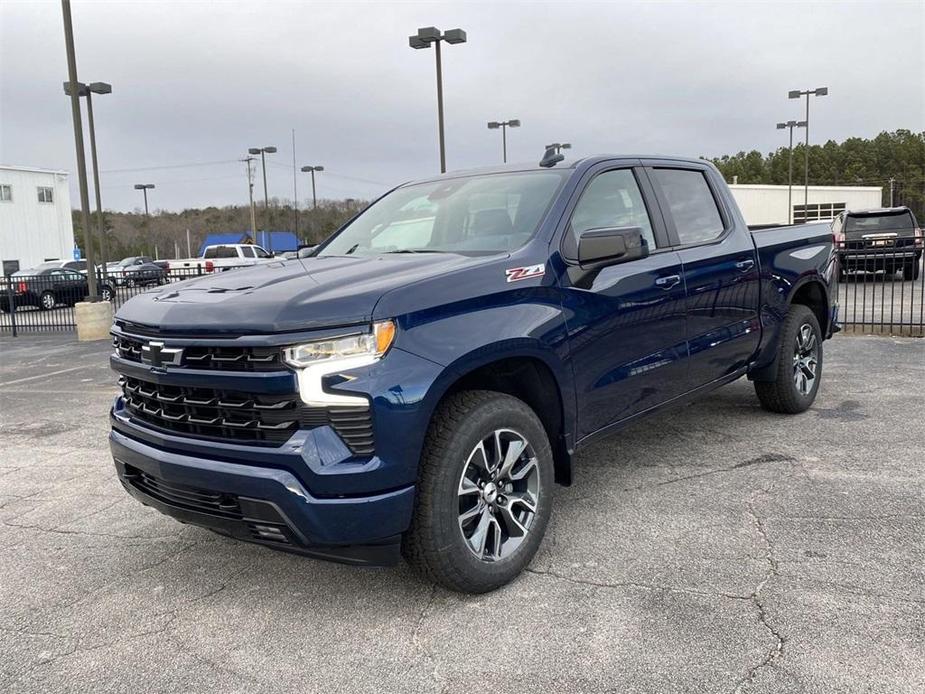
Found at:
(722, 307)
(627, 338)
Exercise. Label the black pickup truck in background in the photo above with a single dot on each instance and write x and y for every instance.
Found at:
(887, 239)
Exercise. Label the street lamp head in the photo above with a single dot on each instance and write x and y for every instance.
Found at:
(100, 88)
(306, 169)
(566, 145)
(454, 36)
(144, 186)
(81, 89)
(822, 91)
(270, 150)
(795, 94)
(515, 123)
(429, 34)
(493, 125)
(319, 168)
(417, 43)
(800, 124)
(253, 150)
(781, 126)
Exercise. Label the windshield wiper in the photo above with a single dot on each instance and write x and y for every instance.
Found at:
(415, 250)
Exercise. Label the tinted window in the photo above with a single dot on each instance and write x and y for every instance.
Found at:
(221, 252)
(691, 204)
(261, 253)
(612, 199)
(887, 222)
(247, 251)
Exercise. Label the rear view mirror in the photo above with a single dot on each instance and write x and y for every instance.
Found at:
(599, 248)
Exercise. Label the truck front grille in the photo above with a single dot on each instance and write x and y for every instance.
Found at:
(218, 358)
(241, 417)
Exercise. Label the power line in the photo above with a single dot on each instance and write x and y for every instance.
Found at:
(172, 166)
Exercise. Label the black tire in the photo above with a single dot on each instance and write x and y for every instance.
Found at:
(130, 282)
(435, 544)
(911, 271)
(47, 301)
(106, 293)
(783, 394)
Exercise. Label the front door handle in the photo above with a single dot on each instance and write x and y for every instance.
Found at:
(745, 265)
(668, 281)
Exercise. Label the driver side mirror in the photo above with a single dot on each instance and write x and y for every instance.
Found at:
(598, 248)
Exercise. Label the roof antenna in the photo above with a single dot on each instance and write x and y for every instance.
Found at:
(551, 157)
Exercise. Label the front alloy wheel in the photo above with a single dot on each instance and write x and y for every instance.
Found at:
(498, 494)
(484, 492)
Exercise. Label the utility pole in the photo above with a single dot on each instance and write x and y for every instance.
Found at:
(263, 152)
(504, 125)
(79, 144)
(189, 252)
(892, 182)
(250, 196)
(295, 190)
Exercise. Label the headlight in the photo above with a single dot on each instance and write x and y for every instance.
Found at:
(315, 360)
(372, 344)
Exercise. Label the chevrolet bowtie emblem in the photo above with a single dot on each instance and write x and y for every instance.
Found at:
(156, 354)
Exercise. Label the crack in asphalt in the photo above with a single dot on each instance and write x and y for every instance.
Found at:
(637, 584)
(425, 650)
(777, 650)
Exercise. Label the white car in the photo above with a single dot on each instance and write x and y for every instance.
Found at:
(224, 256)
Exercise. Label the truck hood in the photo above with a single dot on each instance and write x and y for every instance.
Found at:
(286, 296)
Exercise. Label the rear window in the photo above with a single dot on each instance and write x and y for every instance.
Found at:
(884, 222)
(221, 252)
(691, 203)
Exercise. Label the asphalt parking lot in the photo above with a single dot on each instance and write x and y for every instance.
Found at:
(716, 548)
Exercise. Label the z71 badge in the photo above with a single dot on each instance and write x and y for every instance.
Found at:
(524, 273)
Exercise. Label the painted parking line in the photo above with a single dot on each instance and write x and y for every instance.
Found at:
(45, 375)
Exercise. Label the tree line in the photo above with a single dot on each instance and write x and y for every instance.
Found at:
(164, 234)
(857, 161)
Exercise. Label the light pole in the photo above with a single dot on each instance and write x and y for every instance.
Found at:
(791, 124)
(559, 146)
(423, 39)
(144, 188)
(263, 151)
(504, 125)
(796, 94)
(79, 144)
(312, 170)
(88, 91)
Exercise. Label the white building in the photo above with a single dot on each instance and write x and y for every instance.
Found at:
(761, 204)
(35, 216)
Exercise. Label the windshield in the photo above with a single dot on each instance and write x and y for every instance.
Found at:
(473, 215)
(885, 222)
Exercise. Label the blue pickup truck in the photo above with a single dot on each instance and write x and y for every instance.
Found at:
(419, 384)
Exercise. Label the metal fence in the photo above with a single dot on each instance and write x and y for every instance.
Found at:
(45, 302)
(881, 290)
(882, 287)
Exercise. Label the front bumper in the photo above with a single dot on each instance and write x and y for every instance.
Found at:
(264, 505)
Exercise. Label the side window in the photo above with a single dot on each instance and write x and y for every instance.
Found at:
(261, 253)
(691, 204)
(6, 193)
(46, 194)
(247, 251)
(612, 199)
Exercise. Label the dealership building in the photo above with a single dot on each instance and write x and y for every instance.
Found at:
(35, 217)
(767, 205)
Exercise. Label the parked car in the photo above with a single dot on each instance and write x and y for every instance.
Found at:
(224, 256)
(887, 240)
(117, 271)
(47, 288)
(143, 275)
(419, 384)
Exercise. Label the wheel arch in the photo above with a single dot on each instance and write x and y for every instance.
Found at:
(527, 374)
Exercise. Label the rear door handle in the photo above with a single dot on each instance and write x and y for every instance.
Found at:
(745, 265)
(668, 281)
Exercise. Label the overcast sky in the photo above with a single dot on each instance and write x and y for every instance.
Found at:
(198, 82)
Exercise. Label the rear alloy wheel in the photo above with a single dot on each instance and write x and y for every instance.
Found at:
(47, 301)
(130, 282)
(106, 293)
(799, 364)
(484, 492)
